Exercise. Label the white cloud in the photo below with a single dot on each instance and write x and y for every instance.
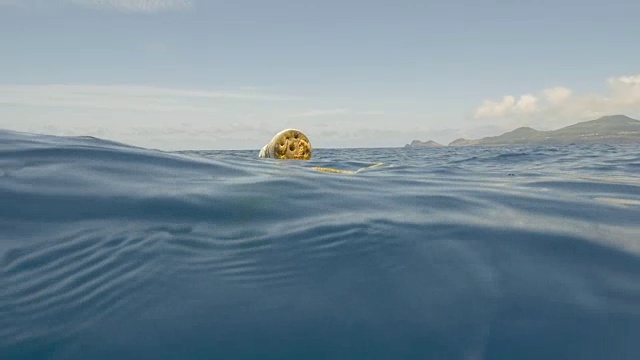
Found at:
(145, 6)
(128, 6)
(126, 97)
(318, 113)
(626, 89)
(332, 112)
(560, 104)
(557, 95)
(158, 117)
(525, 104)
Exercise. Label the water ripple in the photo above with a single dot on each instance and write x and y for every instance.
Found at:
(110, 251)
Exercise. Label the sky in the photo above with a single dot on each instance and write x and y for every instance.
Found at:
(196, 74)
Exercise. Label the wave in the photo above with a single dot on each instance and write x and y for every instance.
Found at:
(111, 251)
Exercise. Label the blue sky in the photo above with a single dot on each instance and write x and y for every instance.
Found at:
(187, 74)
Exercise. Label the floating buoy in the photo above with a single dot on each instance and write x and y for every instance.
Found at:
(293, 144)
(288, 144)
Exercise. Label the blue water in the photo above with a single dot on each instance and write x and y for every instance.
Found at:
(115, 252)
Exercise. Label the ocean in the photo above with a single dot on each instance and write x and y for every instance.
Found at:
(115, 252)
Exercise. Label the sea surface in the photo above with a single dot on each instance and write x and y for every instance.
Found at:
(116, 252)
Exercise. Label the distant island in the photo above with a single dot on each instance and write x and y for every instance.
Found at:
(421, 144)
(607, 129)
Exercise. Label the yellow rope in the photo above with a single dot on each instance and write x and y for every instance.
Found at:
(337, 171)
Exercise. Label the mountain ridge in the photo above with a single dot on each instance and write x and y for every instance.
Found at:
(423, 144)
(606, 129)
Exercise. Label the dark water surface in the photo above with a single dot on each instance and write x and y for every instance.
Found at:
(114, 252)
